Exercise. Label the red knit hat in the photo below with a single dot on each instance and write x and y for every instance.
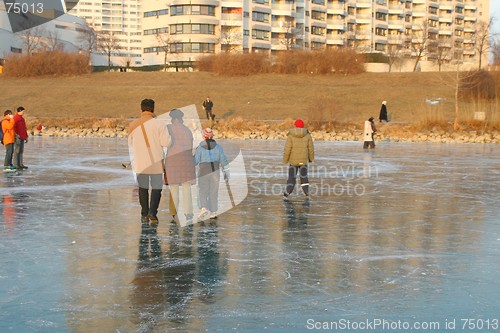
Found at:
(299, 123)
(207, 133)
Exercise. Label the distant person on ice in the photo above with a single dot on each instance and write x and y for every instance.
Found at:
(383, 112)
(8, 139)
(211, 158)
(299, 151)
(208, 105)
(146, 139)
(368, 134)
(21, 137)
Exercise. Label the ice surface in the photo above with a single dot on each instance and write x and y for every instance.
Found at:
(408, 232)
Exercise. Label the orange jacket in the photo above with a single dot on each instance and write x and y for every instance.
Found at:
(8, 130)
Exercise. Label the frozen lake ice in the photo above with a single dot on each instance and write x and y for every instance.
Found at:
(408, 234)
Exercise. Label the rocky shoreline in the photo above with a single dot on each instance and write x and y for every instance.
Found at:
(438, 136)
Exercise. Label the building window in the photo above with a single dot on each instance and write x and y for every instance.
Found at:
(192, 48)
(16, 50)
(260, 17)
(260, 34)
(317, 15)
(261, 2)
(156, 13)
(381, 16)
(379, 47)
(319, 31)
(192, 10)
(177, 29)
(155, 31)
(380, 32)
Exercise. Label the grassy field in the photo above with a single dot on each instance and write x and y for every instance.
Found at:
(344, 99)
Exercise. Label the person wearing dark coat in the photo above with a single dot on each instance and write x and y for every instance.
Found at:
(208, 106)
(383, 112)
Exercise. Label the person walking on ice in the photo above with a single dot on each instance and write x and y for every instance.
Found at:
(146, 140)
(299, 152)
(210, 157)
(368, 134)
(208, 106)
(383, 112)
(179, 164)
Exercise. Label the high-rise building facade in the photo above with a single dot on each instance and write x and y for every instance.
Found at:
(122, 19)
(179, 32)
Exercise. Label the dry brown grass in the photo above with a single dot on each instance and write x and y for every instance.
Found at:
(46, 63)
(334, 100)
(228, 64)
(342, 61)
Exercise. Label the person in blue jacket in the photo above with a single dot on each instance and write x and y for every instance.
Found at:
(210, 158)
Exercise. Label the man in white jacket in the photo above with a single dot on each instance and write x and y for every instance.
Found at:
(146, 139)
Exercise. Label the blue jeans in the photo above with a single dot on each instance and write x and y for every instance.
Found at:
(8, 154)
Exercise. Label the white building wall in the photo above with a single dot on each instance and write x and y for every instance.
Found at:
(64, 28)
(122, 18)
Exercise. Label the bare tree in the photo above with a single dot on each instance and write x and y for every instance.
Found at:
(290, 34)
(419, 42)
(32, 39)
(495, 50)
(442, 51)
(394, 52)
(87, 36)
(454, 80)
(164, 41)
(53, 42)
(230, 39)
(107, 42)
(482, 39)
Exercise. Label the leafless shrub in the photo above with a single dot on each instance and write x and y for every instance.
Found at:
(46, 63)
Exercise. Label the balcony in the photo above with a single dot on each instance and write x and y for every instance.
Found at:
(396, 24)
(364, 18)
(472, 5)
(283, 9)
(335, 24)
(336, 9)
(335, 40)
(446, 31)
(396, 9)
(364, 3)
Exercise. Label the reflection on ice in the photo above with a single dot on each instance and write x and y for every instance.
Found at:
(420, 243)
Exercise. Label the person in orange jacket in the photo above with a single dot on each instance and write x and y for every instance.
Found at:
(8, 139)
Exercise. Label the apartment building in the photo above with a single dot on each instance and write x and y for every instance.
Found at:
(179, 32)
(122, 19)
(190, 29)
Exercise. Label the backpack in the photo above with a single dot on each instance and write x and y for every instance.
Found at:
(1, 131)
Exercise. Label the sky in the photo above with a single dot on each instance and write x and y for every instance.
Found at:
(495, 12)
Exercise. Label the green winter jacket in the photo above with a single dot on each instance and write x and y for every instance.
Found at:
(299, 149)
